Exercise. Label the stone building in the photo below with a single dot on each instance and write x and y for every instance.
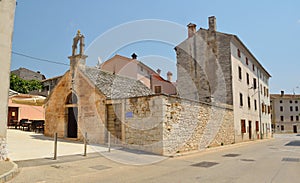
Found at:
(133, 68)
(78, 104)
(285, 113)
(217, 67)
(27, 74)
(102, 104)
(7, 14)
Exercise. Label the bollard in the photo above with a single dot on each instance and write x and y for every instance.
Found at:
(55, 146)
(85, 144)
(108, 141)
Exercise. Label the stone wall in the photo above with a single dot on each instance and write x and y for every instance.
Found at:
(7, 12)
(190, 125)
(204, 67)
(168, 125)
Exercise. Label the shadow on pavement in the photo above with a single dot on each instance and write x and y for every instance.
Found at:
(50, 161)
(293, 143)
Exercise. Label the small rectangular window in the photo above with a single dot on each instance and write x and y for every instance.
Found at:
(247, 62)
(243, 126)
(249, 102)
(254, 83)
(292, 118)
(281, 118)
(253, 67)
(269, 109)
(297, 118)
(296, 108)
(241, 99)
(239, 53)
(255, 104)
(157, 89)
(247, 76)
(240, 73)
(291, 108)
(280, 101)
(282, 127)
(281, 108)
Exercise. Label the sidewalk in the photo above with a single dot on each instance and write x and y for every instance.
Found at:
(8, 170)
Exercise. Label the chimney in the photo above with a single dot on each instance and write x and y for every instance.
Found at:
(158, 71)
(191, 29)
(282, 93)
(212, 23)
(169, 76)
(134, 56)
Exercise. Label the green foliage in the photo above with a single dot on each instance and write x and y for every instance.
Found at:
(22, 86)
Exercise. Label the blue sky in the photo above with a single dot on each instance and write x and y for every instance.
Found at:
(270, 29)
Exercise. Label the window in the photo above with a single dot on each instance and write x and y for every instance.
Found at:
(256, 126)
(296, 108)
(292, 118)
(291, 101)
(280, 101)
(241, 99)
(247, 75)
(282, 128)
(249, 102)
(261, 92)
(240, 73)
(157, 89)
(281, 108)
(267, 92)
(253, 67)
(247, 62)
(281, 118)
(262, 108)
(239, 53)
(255, 104)
(269, 109)
(291, 108)
(264, 91)
(243, 126)
(254, 83)
(296, 101)
(297, 118)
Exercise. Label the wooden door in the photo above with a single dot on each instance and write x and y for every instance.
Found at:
(250, 129)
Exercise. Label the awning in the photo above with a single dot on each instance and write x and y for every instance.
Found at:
(30, 100)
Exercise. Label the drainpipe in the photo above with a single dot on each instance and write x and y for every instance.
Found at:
(259, 104)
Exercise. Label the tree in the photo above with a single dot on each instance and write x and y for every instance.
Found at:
(22, 86)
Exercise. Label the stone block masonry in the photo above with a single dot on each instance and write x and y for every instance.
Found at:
(168, 125)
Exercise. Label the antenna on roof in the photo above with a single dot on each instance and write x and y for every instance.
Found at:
(98, 66)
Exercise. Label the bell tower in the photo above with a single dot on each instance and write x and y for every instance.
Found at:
(77, 59)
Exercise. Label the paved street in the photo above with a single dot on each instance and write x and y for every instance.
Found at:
(276, 160)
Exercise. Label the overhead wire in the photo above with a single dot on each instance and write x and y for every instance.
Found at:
(39, 59)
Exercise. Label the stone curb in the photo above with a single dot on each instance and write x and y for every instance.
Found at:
(219, 148)
(9, 175)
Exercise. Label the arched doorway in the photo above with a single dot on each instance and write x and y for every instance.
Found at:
(72, 116)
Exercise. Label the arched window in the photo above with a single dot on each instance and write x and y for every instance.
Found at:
(71, 99)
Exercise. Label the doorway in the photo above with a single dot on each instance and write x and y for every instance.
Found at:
(72, 122)
(13, 116)
(295, 129)
(250, 130)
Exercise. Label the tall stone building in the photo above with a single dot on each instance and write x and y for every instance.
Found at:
(285, 113)
(7, 13)
(217, 67)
